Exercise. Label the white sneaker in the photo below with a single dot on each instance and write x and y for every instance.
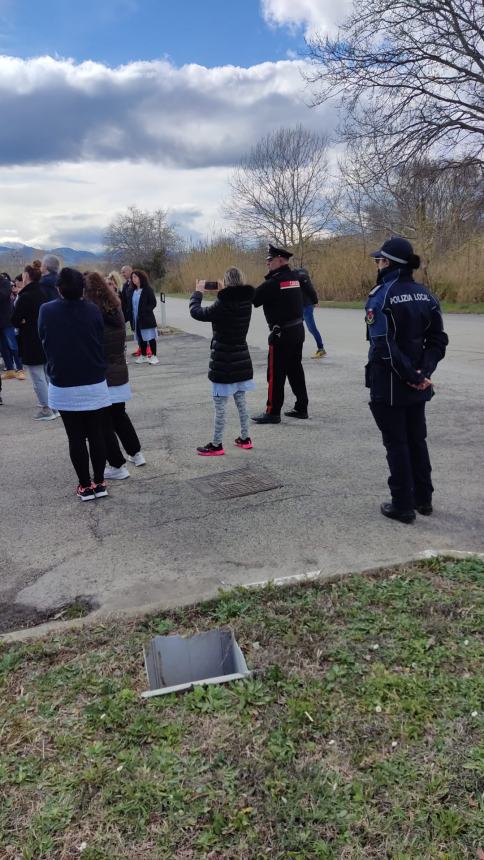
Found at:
(137, 459)
(153, 360)
(111, 473)
(143, 359)
(56, 413)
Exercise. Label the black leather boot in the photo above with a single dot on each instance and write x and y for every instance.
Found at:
(389, 510)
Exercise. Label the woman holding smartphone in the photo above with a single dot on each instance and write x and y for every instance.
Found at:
(230, 369)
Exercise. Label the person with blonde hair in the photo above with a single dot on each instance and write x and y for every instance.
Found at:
(115, 281)
(230, 368)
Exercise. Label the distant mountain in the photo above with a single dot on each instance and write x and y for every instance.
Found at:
(69, 255)
(25, 253)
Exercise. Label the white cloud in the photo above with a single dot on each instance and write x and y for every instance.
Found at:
(315, 16)
(57, 110)
(146, 133)
(74, 203)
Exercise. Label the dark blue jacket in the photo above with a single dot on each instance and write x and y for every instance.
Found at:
(72, 334)
(48, 283)
(406, 334)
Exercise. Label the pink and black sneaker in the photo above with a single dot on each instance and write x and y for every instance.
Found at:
(85, 494)
(210, 450)
(244, 443)
(100, 490)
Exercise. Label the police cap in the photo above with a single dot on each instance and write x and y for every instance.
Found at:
(396, 249)
(272, 252)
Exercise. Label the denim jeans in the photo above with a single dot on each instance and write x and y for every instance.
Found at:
(309, 320)
(40, 382)
(9, 348)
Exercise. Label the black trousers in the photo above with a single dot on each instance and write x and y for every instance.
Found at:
(79, 427)
(118, 425)
(285, 361)
(404, 433)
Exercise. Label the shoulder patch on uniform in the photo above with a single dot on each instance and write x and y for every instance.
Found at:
(370, 317)
(289, 285)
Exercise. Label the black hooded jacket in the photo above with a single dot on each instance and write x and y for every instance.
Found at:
(230, 317)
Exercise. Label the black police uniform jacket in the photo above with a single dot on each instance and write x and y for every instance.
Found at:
(280, 296)
(230, 317)
(406, 334)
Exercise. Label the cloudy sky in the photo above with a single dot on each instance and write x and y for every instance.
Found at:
(108, 103)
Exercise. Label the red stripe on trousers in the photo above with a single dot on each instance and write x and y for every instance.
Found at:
(271, 377)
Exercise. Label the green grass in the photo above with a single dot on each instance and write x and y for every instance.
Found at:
(358, 738)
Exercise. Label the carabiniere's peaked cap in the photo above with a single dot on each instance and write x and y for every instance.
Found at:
(272, 252)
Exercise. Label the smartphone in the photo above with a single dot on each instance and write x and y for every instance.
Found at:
(211, 285)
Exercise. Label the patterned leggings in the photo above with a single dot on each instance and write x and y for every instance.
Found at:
(220, 409)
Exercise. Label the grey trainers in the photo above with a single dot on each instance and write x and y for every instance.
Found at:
(138, 459)
(45, 414)
(115, 473)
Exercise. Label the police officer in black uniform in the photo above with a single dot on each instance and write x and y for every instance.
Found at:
(281, 298)
(407, 340)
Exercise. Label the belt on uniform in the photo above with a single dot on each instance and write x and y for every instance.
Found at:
(276, 330)
(285, 325)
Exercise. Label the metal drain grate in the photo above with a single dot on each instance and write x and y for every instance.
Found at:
(237, 482)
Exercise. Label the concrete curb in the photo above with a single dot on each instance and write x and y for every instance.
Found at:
(103, 616)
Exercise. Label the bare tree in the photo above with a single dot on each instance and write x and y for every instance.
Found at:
(437, 209)
(142, 239)
(280, 191)
(414, 71)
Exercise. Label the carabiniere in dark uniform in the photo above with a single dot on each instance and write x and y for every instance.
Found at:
(281, 298)
(407, 340)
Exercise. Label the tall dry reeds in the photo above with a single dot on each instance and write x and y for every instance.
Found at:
(340, 268)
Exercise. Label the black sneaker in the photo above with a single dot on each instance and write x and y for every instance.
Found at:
(294, 413)
(243, 443)
(389, 510)
(425, 510)
(210, 450)
(100, 490)
(85, 494)
(266, 418)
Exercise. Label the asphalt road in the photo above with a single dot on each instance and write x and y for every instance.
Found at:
(158, 540)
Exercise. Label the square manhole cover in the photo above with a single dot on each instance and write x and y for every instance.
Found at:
(237, 482)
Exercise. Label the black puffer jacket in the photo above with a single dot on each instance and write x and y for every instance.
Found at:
(114, 347)
(230, 317)
(26, 318)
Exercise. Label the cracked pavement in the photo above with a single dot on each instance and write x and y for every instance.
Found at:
(157, 540)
